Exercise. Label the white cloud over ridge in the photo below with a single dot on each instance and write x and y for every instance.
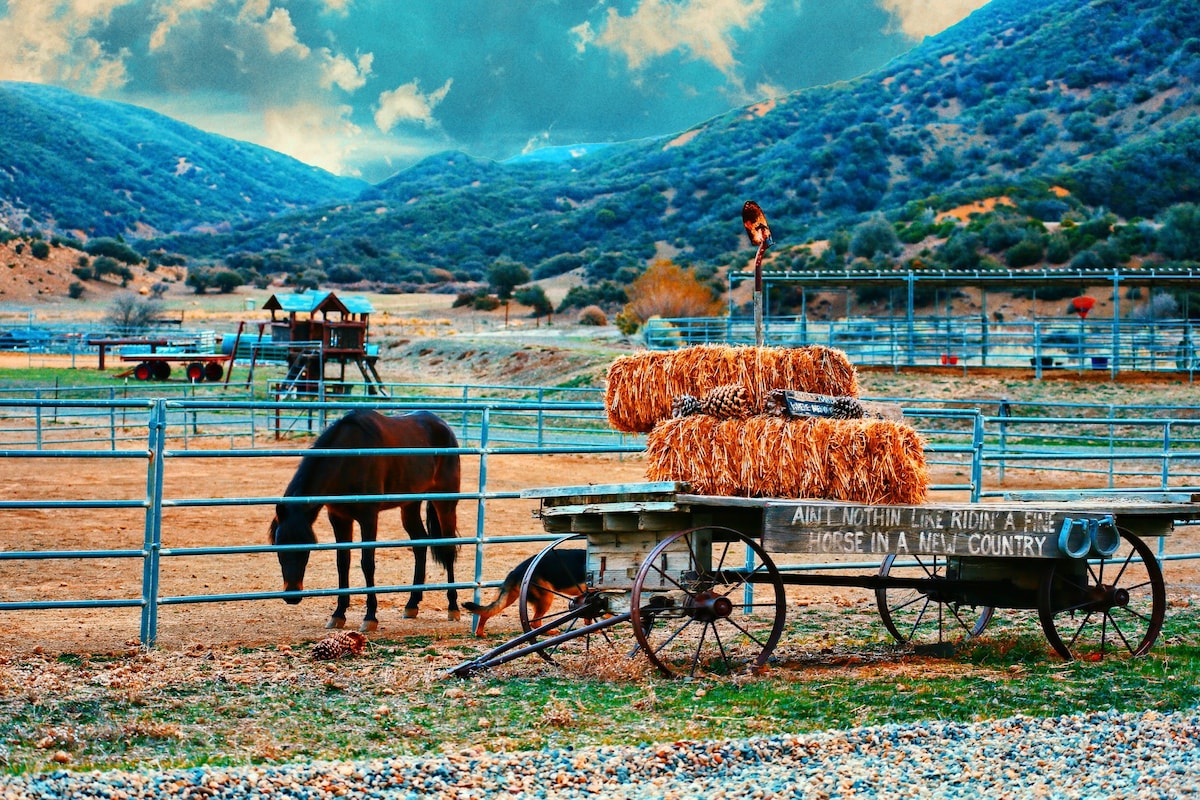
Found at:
(407, 104)
(700, 28)
(921, 18)
(48, 41)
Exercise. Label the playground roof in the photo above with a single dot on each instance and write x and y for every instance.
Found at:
(312, 302)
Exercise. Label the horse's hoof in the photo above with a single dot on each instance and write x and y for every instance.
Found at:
(369, 625)
(336, 622)
(410, 613)
(453, 616)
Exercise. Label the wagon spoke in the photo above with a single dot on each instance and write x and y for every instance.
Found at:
(920, 616)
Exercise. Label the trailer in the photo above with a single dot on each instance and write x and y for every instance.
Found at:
(689, 581)
(197, 367)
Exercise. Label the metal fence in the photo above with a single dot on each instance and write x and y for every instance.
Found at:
(156, 437)
(1111, 345)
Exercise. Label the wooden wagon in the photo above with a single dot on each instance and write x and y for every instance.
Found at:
(694, 579)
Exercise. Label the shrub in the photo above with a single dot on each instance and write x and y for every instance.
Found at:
(40, 250)
(485, 302)
(668, 290)
(75, 290)
(593, 315)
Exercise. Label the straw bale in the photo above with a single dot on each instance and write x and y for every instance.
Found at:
(641, 386)
(864, 460)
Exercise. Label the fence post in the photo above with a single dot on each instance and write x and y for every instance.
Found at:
(977, 457)
(152, 540)
(481, 504)
(1166, 456)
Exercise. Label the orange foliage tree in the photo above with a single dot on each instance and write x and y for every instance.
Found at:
(668, 290)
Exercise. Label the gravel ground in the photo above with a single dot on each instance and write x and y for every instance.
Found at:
(1103, 755)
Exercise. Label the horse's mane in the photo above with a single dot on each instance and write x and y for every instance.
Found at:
(365, 421)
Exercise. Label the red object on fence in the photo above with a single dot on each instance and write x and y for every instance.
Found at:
(1082, 305)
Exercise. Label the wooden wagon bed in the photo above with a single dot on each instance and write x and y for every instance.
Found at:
(669, 562)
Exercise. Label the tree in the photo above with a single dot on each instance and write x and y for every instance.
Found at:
(227, 280)
(668, 290)
(534, 297)
(1179, 237)
(504, 276)
(131, 312)
(113, 249)
(876, 235)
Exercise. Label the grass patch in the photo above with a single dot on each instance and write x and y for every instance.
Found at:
(270, 705)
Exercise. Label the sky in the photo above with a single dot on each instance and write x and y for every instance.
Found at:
(366, 87)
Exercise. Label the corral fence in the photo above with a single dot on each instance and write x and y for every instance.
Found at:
(1043, 345)
(156, 438)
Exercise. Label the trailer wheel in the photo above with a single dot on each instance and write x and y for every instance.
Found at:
(143, 372)
(195, 372)
(213, 371)
(571, 610)
(1093, 608)
(161, 369)
(918, 618)
(690, 612)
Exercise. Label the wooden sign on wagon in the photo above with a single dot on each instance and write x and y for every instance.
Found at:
(1009, 530)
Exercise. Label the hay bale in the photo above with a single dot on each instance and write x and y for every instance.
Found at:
(641, 386)
(864, 460)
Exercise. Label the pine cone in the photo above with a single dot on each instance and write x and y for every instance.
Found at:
(684, 405)
(339, 644)
(730, 400)
(847, 408)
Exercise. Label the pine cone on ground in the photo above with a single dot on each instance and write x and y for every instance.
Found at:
(339, 644)
(724, 402)
(684, 405)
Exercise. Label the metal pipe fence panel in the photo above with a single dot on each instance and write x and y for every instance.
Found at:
(134, 511)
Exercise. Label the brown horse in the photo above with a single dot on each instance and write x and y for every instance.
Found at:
(368, 476)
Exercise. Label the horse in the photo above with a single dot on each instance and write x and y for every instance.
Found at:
(370, 475)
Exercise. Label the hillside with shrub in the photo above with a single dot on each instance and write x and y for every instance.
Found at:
(134, 173)
(1071, 126)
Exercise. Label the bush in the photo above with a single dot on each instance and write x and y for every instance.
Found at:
(593, 315)
(40, 250)
(113, 249)
(534, 297)
(485, 302)
(75, 290)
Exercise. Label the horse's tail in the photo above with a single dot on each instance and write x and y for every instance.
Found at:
(444, 553)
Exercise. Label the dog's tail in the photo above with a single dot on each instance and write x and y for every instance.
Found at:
(508, 594)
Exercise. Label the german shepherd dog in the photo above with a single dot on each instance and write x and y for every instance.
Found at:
(560, 573)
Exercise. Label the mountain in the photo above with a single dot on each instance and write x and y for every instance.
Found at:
(1067, 109)
(79, 165)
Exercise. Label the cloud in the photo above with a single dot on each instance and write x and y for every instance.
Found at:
(407, 104)
(319, 135)
(700, 28)
(49, 41)
(340, 71)
(281, 34)
(921, 18)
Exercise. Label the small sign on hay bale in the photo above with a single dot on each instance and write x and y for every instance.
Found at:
(641, 386)
(786, 403)
(864, 461)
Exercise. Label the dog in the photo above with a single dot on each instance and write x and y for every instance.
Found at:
(561, 572)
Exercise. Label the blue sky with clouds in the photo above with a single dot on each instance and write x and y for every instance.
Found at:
(366, 87)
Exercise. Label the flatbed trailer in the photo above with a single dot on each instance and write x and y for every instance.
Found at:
(694, 579)
(197, 366)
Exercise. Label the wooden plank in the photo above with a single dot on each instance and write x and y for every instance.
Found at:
(657, 487)
(608, 508)
(980, 530)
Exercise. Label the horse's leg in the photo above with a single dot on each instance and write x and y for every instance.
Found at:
(368, 528)
(343, 531)
(410, 515)
(446, 512)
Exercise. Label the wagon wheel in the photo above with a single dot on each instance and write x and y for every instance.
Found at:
(922, 618)
(585, 608)
(143, 372)
(1092, 608)
(195, 372)
(684, 610)
(161, 370)
(213, 371)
